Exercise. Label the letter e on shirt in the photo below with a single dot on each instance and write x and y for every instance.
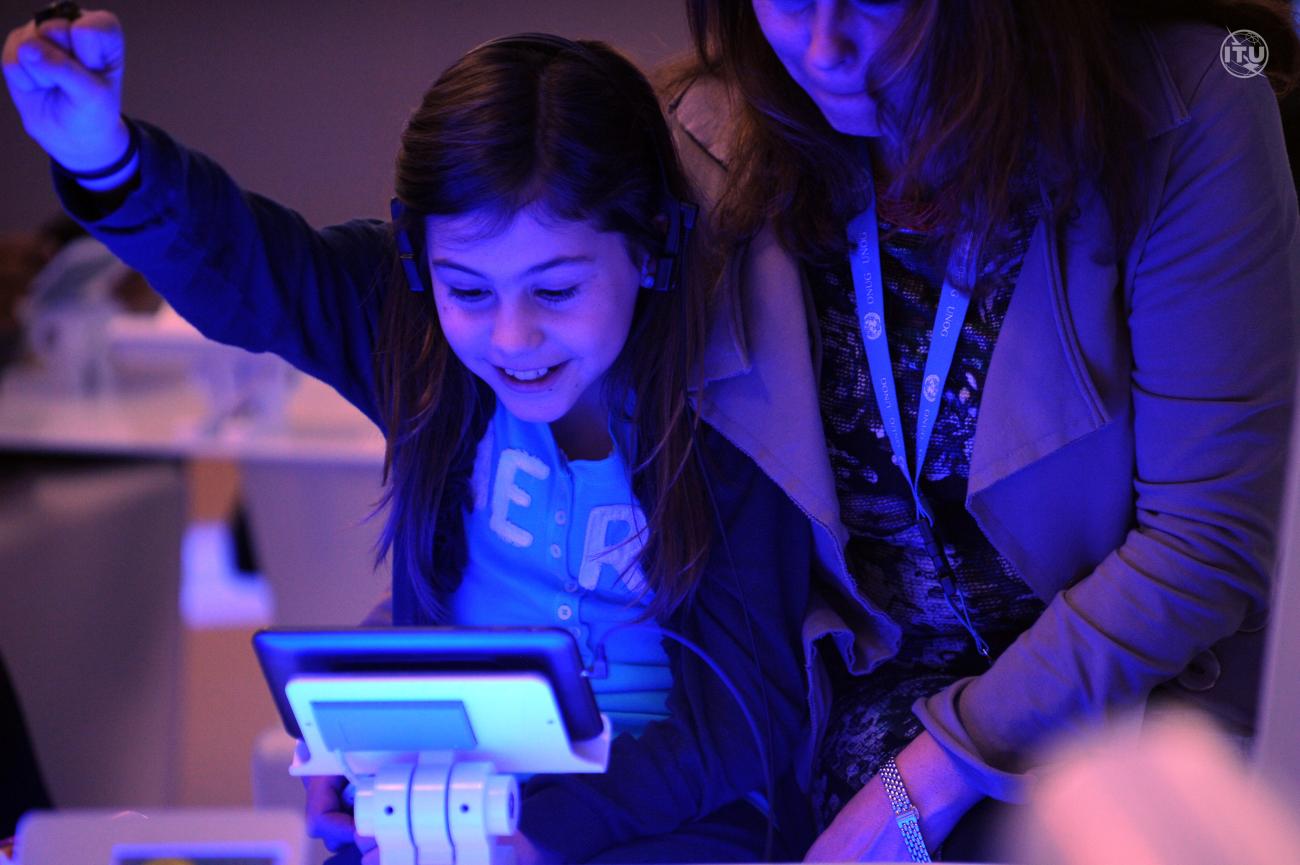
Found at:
(505, 492)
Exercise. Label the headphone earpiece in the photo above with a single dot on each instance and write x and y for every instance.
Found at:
(405, 248)
(668, 265)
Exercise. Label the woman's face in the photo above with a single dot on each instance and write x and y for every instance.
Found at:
(827, 46)
(539, 309)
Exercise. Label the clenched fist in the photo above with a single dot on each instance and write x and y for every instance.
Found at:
(65, 79)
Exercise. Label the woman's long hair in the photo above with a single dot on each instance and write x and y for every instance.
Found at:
(577, 132)
(988, 82)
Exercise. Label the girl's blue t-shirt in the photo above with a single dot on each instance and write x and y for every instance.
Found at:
(554, 541)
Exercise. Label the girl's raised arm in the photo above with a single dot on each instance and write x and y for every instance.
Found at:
(241, 268)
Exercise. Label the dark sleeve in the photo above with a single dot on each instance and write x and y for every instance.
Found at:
(242, 269)
(704, 756)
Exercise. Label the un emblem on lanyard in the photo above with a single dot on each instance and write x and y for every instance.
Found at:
(871, 325)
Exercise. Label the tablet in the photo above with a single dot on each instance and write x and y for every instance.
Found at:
(288, 653)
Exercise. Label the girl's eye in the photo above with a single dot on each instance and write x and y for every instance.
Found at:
(468, 295)
(557, 295)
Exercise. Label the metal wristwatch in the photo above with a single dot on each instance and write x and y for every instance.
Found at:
(905, 813)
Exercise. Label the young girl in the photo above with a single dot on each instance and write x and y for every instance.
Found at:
(523, 334)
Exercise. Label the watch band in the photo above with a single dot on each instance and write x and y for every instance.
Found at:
(905, 813)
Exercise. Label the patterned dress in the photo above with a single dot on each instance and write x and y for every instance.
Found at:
(871, 717)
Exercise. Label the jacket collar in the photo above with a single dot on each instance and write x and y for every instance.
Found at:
(1163, 106)
(706, 112)
(1042, 391)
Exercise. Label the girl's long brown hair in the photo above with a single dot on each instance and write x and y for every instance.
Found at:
(989, 82)
(579, 133)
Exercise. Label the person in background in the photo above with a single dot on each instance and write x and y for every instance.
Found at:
(528, 362)
(1009, 310)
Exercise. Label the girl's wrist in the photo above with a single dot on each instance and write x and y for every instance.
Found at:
(105, 167)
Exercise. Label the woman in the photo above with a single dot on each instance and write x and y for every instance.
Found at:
(1087, 240)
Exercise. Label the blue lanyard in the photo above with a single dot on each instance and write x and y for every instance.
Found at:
(864, 262)
(864, 234)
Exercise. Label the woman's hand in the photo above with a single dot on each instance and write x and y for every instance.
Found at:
(65, 79)
(865, 829)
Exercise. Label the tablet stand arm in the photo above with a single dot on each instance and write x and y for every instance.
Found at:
(439, 812)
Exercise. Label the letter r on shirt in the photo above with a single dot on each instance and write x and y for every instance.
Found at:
(598, 550)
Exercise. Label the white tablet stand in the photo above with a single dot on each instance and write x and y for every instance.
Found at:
(430, 755)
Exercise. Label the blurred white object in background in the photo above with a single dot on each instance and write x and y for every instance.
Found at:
(66, 316)
(87, 345)
(214, 592)
(162, 835)
(1178, 794)
(240, 387)
(1277, 745)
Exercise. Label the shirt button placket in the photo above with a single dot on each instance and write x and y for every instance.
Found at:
(566, 610)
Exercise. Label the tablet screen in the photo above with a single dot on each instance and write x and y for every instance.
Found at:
(287, 653)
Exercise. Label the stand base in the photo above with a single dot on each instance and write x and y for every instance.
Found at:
(439, 812)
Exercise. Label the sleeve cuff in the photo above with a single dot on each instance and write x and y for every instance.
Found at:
(135, 201)
(85, 205)
(938, 714)
(558, 822)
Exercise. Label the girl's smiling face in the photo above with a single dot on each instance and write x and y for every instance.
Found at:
(539, 309)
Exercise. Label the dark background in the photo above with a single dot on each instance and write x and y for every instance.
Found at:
(304, 101)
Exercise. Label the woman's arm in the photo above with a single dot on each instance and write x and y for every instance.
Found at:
(704, 755)
(1211, 320)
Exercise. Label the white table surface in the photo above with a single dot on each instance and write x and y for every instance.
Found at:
(169, 418)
